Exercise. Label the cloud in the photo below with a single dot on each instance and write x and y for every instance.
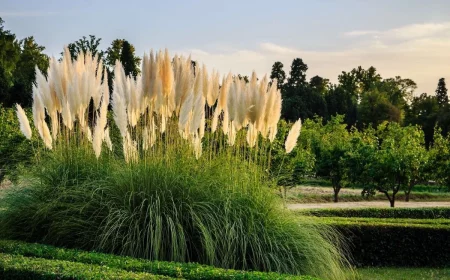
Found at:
(420, 52)
(26, 14)
(358, 33)
(407, 32)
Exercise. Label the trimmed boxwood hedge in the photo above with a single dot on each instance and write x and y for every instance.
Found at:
(20, 267)
(172, 269)
(395, 244)
(413, 213)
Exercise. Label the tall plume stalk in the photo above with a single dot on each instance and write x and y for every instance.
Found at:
(168, 107)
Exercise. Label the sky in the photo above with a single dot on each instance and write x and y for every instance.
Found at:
(407, 38)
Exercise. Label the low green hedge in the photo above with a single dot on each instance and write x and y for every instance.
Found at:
(172, 269)
(413, 213)
(395, 242)
(422, 223)
(20, 267)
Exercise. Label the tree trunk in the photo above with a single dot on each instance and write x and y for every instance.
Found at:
(407, 195)
(391, 199)
(336, 193)
(408, 191)
(284, 196)
(392, 202)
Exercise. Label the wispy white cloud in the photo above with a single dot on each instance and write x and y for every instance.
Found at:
(420, 52)
(407, 32)
(26, 14)
(358, 33)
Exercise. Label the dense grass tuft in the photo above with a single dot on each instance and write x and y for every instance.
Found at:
(173, 208)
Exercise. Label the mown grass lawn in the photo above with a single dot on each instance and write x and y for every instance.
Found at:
(388, 273)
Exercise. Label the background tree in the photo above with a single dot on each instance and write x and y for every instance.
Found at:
(297, 75)
(9, 55)
(439, 163)
(339, 101)
(116, 52)
(375, 108)
(300, 100)
(332, 149)
(18, 60)
(84, 45)
(278, 73)
(128, 60)
(399, 161)
(441, 93)
(423, 111)
(319, 84)
(123, 51)
(31, 56)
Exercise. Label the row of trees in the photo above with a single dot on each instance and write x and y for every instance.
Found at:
(18, 59)
(363, 97)
(388, 159)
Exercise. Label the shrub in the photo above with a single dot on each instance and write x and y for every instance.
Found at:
(15, 151)
(188, 210)
(20, 267)
(172, 269)
(395, 242)
(413, 213)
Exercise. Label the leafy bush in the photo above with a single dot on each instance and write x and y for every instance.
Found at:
(172, 269)
(413, 213)
(395, 242)
(15, 150)
(20, 267)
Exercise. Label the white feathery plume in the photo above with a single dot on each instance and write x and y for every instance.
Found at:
(108, 139)
(231, 134)
(294, 133)
(214, 89)
(24, 123)
(226, 123)
(231, 104)
(130, 149)
(224, 91)
(215, 120)
(252, 135)
(119, 107)
(101, 121)
(272, 133)
(146, 73)
(47, 137)
(38, 112)
(197, 143)
(185, 110)
(201, 132)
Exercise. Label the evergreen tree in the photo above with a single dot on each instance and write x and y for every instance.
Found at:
(278, 73)
(297, 76)
(441, 93)
(127, 59)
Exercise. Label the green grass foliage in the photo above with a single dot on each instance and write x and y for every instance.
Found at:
(172, 208)
(171, 269)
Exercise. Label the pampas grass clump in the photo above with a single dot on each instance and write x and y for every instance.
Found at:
(190, 183)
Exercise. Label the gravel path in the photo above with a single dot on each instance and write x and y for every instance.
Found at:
(367, 204)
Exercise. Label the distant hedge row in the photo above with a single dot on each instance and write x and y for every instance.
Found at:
(397, 245)
(413, 213)
(395, 241)
(46, 260)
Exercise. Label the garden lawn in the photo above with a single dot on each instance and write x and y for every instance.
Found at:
(391, 273)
